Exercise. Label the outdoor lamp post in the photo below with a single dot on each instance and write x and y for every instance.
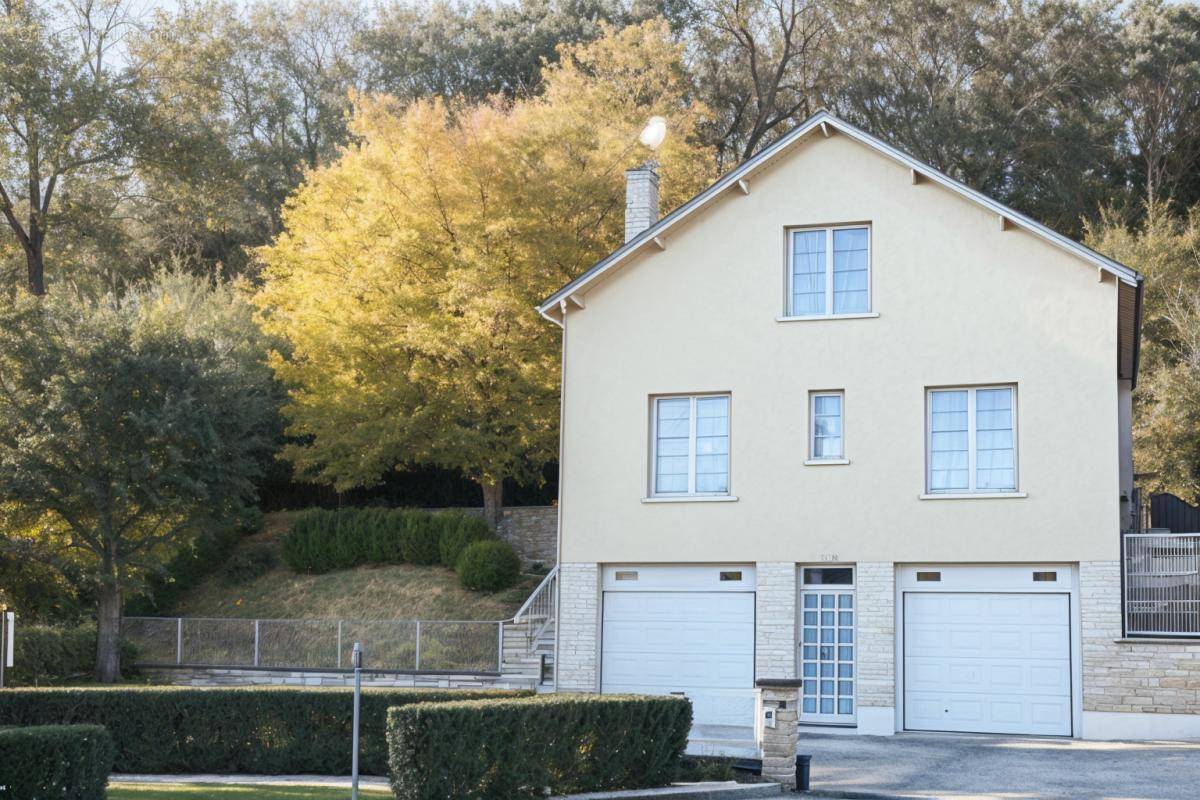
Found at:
(357, 661)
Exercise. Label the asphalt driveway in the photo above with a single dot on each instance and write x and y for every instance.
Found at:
(964, 766)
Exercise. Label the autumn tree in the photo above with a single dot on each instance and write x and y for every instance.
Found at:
(406, 279)
(67, 113)
(126, 427)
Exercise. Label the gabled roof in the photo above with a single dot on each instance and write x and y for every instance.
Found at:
(824, 122)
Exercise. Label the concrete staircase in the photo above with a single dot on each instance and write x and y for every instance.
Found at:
(529, 636)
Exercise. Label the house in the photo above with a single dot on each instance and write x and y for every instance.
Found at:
(844, 423)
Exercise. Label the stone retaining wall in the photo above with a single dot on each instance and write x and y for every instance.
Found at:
(531, 530)
(194, 676)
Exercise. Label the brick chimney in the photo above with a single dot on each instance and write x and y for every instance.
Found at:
(641, 198)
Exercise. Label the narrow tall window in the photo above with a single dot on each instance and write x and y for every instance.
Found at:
(691, 445)
(826, 423)
(829, 272)
(972, 440)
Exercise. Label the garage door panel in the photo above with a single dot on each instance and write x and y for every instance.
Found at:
(700, 644)
(996, 640)
(987, 663)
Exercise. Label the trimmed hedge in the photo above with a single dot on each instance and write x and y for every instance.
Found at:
(321, 540)
(64, 762)
(489, 566)
(529, 748)
(47, 654)
(254, 730)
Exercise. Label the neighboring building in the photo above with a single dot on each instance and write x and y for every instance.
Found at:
(844, 419)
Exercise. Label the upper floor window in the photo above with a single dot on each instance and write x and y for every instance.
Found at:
(829, 271)
(825, 413)
(690, 444)
(972, 440)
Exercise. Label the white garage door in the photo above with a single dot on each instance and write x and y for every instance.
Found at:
(987, 663)
(700, 644)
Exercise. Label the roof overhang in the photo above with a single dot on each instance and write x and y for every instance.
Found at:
(825, 123)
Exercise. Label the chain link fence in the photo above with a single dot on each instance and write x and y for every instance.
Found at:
(390, 645)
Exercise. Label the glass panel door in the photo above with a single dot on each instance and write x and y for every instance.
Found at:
(827, 654)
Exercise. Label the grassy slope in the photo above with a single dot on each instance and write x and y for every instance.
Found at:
(402, 591)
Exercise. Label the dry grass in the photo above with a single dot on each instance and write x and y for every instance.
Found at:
(401, 591)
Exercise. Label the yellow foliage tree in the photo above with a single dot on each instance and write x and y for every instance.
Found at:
(1164, 247)
(406, 278)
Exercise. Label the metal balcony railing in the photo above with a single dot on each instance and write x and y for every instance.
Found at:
(1161, 579)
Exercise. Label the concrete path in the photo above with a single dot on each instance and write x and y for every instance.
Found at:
(257, 780)
(965, 766)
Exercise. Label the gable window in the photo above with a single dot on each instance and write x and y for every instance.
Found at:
(972, 440)
(829, 271)
(690, 444)
(825, 426)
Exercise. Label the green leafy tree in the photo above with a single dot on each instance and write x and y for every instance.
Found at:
(1160, 97)
(127, 426)
(66, 118)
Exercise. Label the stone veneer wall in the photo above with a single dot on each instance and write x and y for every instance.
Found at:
(875, 593)
(577, 660)
(775, 620)
(1132, 676)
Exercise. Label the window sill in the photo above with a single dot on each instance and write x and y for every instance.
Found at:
(820, 317)
(825, 462)
(974, 496)
(693, 498)
(1168, 640)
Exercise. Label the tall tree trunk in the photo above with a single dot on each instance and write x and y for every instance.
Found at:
(35, 267)
(108, 651)
(493, 502)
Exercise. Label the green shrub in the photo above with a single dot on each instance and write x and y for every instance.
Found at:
(528, 748)
(255, 730)
(64, 762)
(321, 540)
(45, 654)
(250, 563)
(420, 538)
(489, 566)
(459, 531)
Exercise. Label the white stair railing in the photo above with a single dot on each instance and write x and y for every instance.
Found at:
(538, 612)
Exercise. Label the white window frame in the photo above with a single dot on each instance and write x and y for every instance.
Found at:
(972, 478)
(789, 278)
(837, 590)
(813, 458)
(691, 490)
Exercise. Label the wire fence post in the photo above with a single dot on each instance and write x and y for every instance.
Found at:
(500, 646)
(418, 667)
(256, 642)
(339, 644)
(179, 640)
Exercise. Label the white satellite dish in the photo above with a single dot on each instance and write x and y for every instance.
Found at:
(653, 134)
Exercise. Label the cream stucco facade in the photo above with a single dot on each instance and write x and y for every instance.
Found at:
(959, 297)
(959, 302)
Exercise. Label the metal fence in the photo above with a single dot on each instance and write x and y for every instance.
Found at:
(394, 646)
(1162, 584)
